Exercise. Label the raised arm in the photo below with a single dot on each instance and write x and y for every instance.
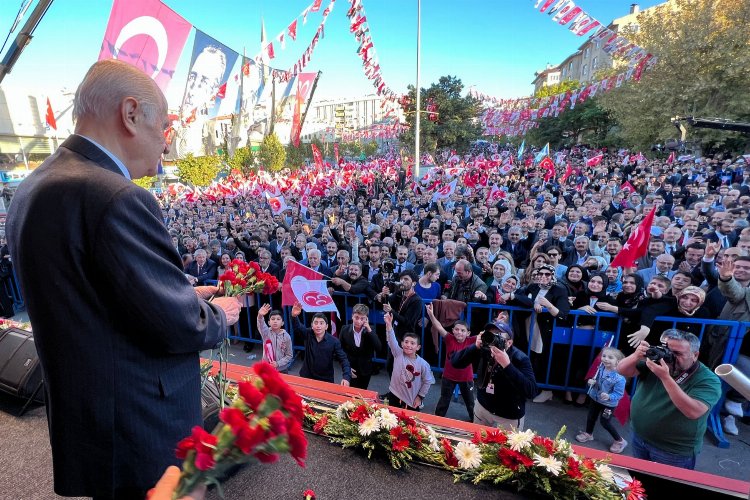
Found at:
(439, 327)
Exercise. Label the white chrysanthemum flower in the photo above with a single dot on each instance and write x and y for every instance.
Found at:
(388, 420)
(605, 472)
(342, 411)
(520, 440)
(468, 455)
(370, 425)
(552, 465)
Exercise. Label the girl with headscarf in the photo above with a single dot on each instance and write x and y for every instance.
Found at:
(614, 275)
(550, 302)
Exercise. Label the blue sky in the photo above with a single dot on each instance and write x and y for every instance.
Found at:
(495, 45)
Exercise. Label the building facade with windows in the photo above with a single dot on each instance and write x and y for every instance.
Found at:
(590, 58)
(334, 117)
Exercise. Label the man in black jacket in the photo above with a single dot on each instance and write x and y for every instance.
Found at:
(360, 343)
(505, 379)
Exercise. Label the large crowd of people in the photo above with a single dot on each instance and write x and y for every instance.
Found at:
(529, 238)
(489, 227)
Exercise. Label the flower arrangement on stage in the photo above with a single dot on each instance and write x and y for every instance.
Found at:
(377, 430)
(242, 277)
(524, 460)
(264, 420)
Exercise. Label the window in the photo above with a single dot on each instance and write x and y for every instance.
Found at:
(593, 64)
(564, 70)
(586, 53)
(584, 70)
(570, 67)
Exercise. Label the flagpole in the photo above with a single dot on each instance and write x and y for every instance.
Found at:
(419, 97)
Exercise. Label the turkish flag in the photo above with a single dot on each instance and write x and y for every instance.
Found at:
(292, 30)
(304, 85)
(548, 165)
(445, 192)
(222, 93)
(278, 205)
(317, 156)
(627, 186)
(50, 117)
(568, 172)
(595, 160)
(637, 244)
(670, 160)
(496, 194)
(294, 269)
(146, 34)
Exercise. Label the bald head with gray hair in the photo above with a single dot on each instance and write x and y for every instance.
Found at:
(110, 81)
(124, 111)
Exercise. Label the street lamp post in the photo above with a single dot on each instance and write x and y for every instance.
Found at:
(418, 108)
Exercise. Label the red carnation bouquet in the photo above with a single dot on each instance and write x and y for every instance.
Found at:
(264, 421)
(246, 277)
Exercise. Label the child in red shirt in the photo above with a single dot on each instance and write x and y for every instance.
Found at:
(464, 377)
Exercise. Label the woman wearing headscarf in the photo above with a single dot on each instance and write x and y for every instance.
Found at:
(575, 280)
(614, 275)
(550, 302)
(627, 306)
(500, 271)
(689, 304)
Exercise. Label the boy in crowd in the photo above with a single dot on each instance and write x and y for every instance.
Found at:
(360, 345)
(412, 377)
(277, 343)
(452, 376)
(321, 348)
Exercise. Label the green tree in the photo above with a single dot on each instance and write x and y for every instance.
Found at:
(587, 122)
(370, 148)
(295, 156)
(198, 170)
(702, 69)
(243, 160)
(272, 154)
(145, 182)
(456, 125)
(559, 88)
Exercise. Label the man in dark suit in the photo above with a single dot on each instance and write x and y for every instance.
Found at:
(201, 269)
(117, 326)
(360, 345)
(266, 266)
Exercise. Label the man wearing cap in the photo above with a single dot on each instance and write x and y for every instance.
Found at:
(505, 379)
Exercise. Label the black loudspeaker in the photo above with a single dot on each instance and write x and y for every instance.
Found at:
(20, 371)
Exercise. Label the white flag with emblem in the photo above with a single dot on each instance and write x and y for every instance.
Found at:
(313, 295)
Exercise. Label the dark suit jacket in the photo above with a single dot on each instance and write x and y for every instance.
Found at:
(360, 358)
(116, 324)
(209, 271)
(273, 270)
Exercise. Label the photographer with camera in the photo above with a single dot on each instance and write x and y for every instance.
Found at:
(505, 379)
(672, 401)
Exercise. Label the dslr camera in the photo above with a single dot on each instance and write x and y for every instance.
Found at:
(660, 352)
(492, 336)
(389, 279)
(657, 353)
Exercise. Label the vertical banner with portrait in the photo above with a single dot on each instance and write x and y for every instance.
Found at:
(210, 67)
(146, 34)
